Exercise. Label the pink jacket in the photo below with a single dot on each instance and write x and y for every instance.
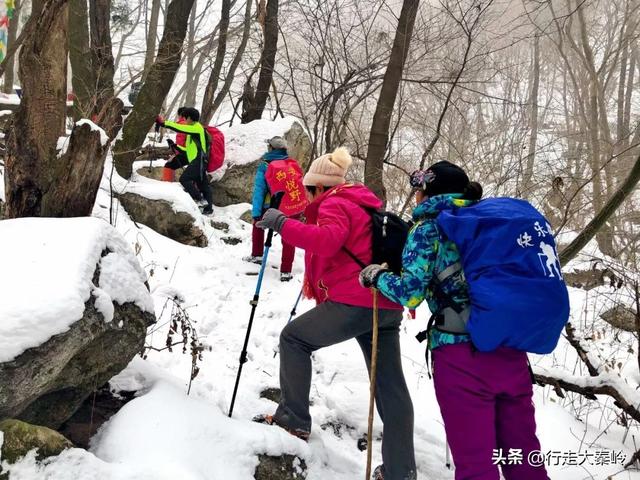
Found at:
(336, 220)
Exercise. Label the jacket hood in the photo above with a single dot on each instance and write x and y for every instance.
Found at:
(432, 206)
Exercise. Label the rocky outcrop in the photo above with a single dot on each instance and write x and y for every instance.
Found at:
(284, 467)
(19, 438)
(621, 317)
(45, 385)
(160, 216)
(236, 185)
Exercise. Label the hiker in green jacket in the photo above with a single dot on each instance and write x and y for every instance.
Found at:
(194, 178)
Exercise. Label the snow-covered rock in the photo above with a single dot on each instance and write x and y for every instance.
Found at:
(245, 144)
(75, 310)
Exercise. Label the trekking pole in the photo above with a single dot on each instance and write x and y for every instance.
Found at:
(275, 202)
(295, 308)
(447, 455)
(292, 314)
(372, 380)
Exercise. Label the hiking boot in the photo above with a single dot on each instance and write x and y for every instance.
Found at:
(253, 259)
(207, 210)
(378, 473)
(269, 420)
(285, 276)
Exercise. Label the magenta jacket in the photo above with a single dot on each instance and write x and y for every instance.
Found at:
(335, 220)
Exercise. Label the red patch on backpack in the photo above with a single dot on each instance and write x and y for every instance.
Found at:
(286, 176)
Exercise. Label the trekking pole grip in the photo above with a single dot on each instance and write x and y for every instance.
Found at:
(276, 198)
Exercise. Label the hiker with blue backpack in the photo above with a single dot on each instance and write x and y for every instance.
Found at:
(277, 172)
(338, 227)
(490, 274)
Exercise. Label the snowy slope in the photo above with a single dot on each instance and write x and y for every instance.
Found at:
(167, 434)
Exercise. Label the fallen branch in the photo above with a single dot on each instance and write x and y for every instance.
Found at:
(608, 384)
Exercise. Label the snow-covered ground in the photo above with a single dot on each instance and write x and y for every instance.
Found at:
(166, 433)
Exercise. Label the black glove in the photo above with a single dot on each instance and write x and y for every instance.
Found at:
(172, 144)
(272, 220)
(370, 274)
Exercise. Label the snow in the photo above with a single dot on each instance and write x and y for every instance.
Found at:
(63, 145)
(165, 433)
(104, 138)
(246, 143)
(48, 265)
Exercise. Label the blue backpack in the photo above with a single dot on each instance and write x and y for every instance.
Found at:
(510, 262)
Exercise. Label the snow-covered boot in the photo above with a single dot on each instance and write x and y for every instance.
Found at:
(207, 210)
(269, 420)
(285, 276)
(253, 259)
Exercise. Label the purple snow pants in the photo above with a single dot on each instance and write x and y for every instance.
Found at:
(486, 404)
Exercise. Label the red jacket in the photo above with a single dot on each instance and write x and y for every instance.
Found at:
(335, 220)
(181, 138)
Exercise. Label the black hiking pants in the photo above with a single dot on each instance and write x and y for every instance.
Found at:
(195, 181)
(330, 323)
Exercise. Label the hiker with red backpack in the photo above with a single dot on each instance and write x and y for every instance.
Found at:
(276, 173)
(179, 159)
(490, 274)
(339, 225)
(194, 179)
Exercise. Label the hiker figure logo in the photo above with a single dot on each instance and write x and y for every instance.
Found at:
(552, 262)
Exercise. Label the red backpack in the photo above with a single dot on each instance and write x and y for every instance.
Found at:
(216, 148)
(286, 176)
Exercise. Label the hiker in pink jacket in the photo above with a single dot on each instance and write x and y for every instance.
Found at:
(337, 219)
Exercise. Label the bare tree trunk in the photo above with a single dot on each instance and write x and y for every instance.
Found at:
(151, 37)
(82, 73)
(234, 64)
(253, 110)
(155, 88)
(102, 52)
(38, 182)
(600, 219)
(533, 120)
(374, 166)
(12, 35)
(192, 81)
(212, 84)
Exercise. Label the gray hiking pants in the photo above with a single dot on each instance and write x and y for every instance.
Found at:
(330, 323)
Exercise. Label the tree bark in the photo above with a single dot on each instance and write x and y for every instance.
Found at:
(374, 166)
(151, 37)
(38, 182)
(12, 34)
(594, 226)
(529, 160)
(155, 88)
(234, 64)
(82, 73)
(192, 80)
(212, 84)
(254, 109)
(102, 53)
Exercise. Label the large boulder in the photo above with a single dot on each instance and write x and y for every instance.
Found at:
(161, 216)
(19, 438)
(75, 313)
(236, 185)
(621, 317)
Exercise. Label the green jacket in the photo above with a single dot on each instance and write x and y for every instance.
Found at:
(197, 143)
